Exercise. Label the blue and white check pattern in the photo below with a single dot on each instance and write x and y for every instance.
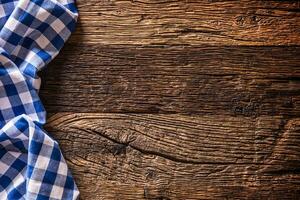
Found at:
(31, 164)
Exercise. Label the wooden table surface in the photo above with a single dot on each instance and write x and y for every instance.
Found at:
(180, 99)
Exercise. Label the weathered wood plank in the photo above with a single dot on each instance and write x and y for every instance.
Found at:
(247, 81)
(188, 22)
(129, 156)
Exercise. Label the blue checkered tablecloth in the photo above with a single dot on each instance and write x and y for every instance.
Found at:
(31, 164)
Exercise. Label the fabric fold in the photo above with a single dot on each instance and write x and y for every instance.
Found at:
(32, 32)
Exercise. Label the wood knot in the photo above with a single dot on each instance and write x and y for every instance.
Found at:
(150, 174)
(119, 149)
(245, 108)
(248, 20)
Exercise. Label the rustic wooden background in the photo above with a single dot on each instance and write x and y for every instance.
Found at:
(180, 99)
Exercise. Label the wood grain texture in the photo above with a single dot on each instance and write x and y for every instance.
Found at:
(143, 156)
(180, 99)
(189, 22)
(246, 81)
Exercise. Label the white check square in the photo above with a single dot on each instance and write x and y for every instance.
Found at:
(5, 103)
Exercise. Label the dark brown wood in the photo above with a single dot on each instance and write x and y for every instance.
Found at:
(190, 22)
(179, 99)
(128, 156)
(248, 81)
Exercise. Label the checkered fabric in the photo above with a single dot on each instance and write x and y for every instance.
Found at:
(31, 164)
